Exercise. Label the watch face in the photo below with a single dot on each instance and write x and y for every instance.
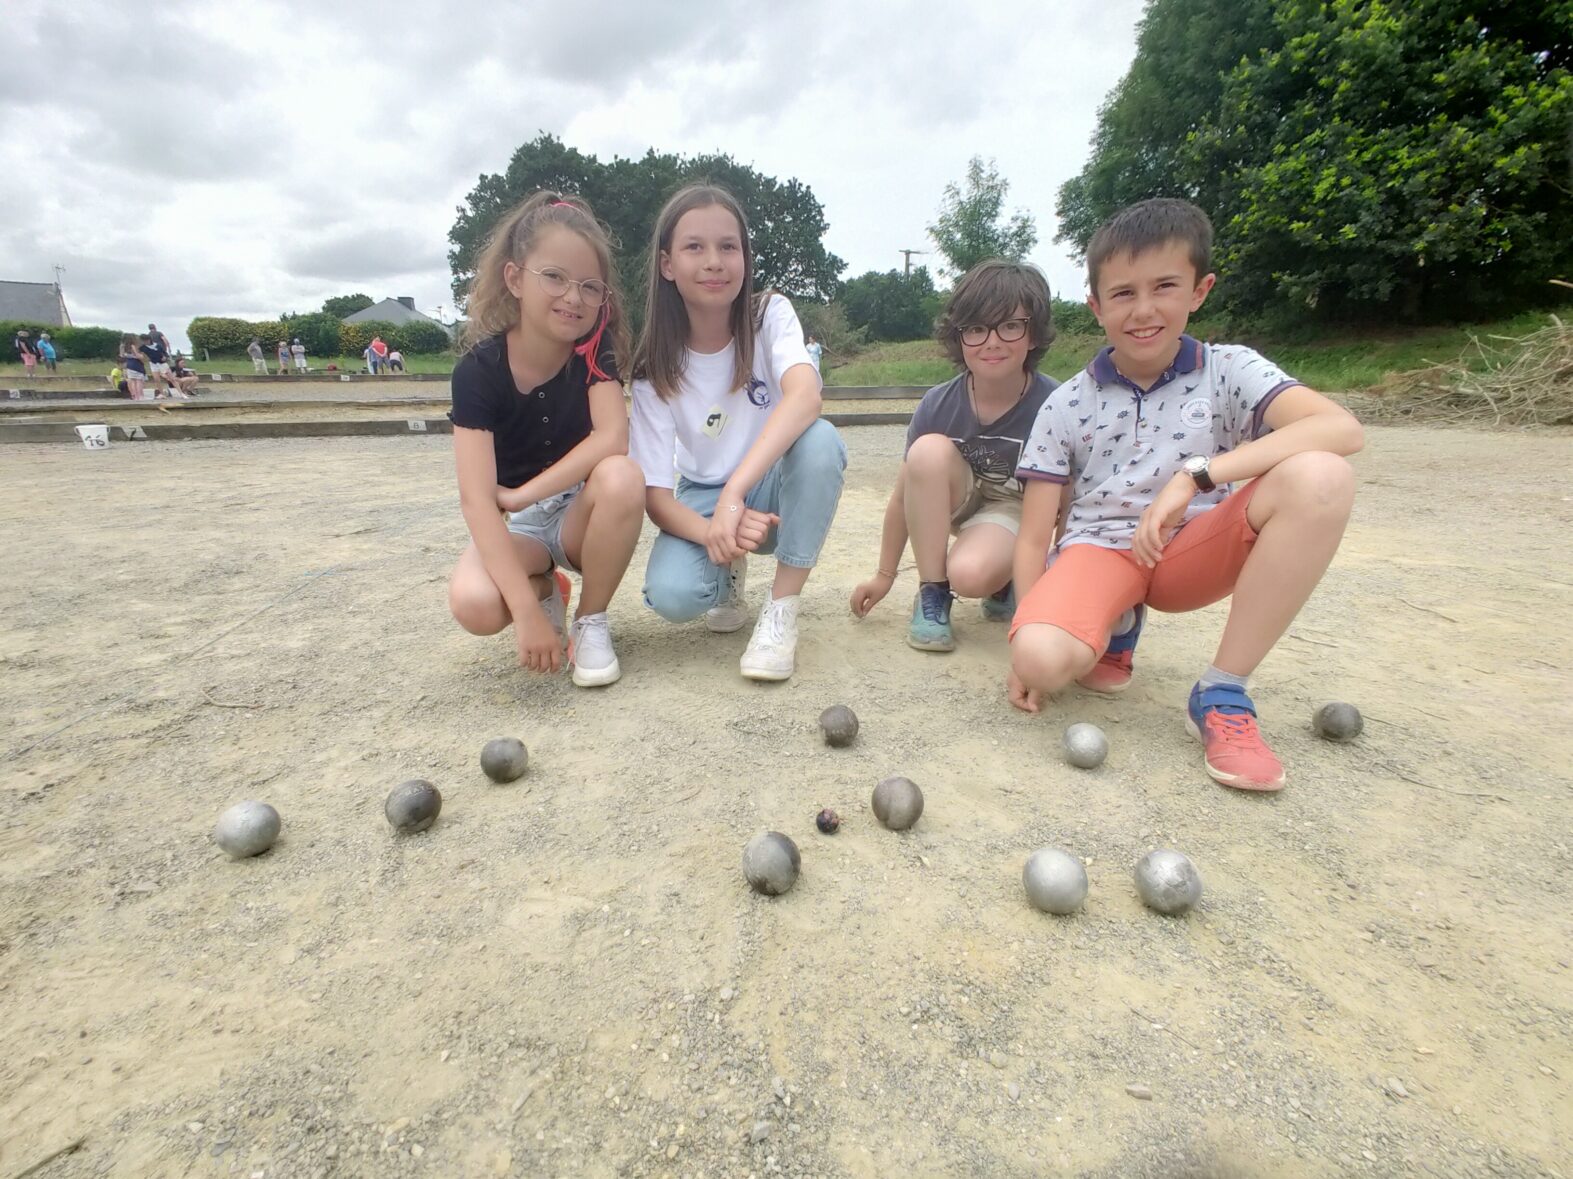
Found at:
(1196, 464)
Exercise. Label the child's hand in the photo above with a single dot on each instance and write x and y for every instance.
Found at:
(539, 648)
(754, 528)
(721, 538)
(1021, 696)
(869, 594)
(1161, 518)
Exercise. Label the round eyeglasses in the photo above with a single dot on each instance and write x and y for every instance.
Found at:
(592, 291)
(1009, 332)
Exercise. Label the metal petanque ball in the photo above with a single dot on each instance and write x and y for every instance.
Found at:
(412, 806)
(771, 862)
(247, 829)
(504, 759)
(1085, 746)
(898, 803)
(1338, 721)
(840, 724)
(1055, 880)
(1168, 882)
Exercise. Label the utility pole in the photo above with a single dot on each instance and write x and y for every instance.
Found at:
(906, 257)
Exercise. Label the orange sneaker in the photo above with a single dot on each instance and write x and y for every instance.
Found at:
(1111, 675)
(1223, 719)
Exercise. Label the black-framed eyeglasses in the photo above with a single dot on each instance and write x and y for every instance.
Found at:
(555, 283)
(978, 333)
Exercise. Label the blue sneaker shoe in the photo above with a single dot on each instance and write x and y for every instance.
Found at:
(1001, 606)
(930, 627)
(1111, 675)
(1223, 719)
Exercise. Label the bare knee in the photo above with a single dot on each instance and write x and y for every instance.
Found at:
(970, 575)
(619, 481)
(1317, 481)
(932, 454)
(478, 609)
(1047, 658)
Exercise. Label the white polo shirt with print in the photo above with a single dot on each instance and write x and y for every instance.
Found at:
(1117, 444)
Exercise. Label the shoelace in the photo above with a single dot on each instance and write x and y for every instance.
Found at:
(773, 623)
(1235, 728)
(594, 622)
(933, 603)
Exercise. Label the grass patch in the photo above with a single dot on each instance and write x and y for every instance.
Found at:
(1342, 361)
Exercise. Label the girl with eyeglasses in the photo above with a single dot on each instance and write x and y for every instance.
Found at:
(726, 428)
(963, 446)
(540, 439)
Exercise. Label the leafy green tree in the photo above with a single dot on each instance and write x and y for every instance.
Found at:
(971, 224)
(1356, 156)
(318, 331)
(786, 221)
(1146, 141)
(892, 305)
(341, 305)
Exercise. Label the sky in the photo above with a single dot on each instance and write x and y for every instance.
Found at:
(207, 158)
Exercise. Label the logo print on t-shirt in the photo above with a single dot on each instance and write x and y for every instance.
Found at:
(758, 392)
(1196, 413)
(715, 422)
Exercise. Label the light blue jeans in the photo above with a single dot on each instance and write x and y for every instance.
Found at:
(803, 488)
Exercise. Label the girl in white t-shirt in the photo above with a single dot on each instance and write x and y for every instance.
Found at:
(727, 431)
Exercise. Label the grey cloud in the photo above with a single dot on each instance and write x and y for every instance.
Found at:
(363, 254)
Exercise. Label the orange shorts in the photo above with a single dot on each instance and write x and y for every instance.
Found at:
(1087, 587)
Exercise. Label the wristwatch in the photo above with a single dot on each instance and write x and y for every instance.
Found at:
(1196, 468)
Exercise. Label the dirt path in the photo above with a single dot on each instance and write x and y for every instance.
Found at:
(568, 976)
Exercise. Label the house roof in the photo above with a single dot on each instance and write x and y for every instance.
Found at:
(388, 311)
(34, 302)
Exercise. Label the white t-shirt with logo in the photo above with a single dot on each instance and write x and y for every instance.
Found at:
(704, 432)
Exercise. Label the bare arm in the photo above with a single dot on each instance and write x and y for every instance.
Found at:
(892, 544)
(1301, 419)
(608, 436)
(670, 516)
(800, 405)
(476, 462)
(1040, 516)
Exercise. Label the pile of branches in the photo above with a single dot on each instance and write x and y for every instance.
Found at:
(1498, 381)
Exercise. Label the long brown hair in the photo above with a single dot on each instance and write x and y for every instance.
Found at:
(492, 309)
(663, 344)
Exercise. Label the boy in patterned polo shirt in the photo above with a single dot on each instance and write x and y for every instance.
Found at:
(1149, 438)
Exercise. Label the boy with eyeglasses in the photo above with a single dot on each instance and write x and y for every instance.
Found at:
(963, 447)
(1145, 443)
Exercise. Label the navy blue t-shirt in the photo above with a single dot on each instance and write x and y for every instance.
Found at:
(530, 430)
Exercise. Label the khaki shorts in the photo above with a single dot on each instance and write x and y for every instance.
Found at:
(988, 503)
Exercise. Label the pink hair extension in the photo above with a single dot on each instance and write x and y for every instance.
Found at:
(591, 348)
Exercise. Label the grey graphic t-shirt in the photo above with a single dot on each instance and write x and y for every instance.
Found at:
(1117, 445)
(992, 451)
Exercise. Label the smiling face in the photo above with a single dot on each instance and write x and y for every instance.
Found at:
(706, 260)
(1144, 301)
(558, 251)
(995, 356)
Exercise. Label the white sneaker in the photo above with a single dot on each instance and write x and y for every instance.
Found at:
(590, 652)
(730, 614)
(556, 604)
(772, 652)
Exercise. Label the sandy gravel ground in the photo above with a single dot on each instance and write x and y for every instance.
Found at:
(567, 975)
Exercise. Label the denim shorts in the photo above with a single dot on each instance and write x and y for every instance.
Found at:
(543, 522)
